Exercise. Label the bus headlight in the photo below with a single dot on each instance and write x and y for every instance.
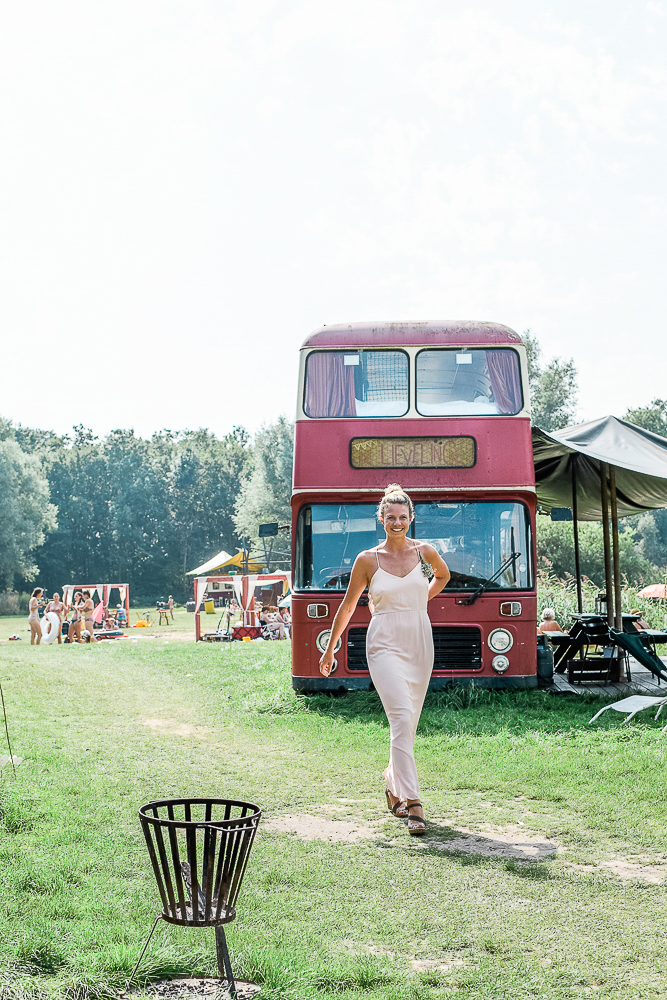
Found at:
(500, 640)
(500, 664)
(323, 639)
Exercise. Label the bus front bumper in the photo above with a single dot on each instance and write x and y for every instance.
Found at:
(308, 684)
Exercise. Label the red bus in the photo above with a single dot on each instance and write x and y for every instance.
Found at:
(443, 409)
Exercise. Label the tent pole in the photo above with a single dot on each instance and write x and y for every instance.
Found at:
(615, 547)
(575, 529)
(604, 498)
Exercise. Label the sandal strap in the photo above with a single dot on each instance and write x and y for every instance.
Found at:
(396, 806)
(412, 805)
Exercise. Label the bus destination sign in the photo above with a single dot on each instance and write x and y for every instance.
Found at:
(413, 452)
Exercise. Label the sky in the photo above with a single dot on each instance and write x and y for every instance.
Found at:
(190, 188)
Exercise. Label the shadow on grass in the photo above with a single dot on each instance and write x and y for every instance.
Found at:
(523, 857)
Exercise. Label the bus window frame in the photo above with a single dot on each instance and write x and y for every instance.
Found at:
(463, 350)
(360, 350)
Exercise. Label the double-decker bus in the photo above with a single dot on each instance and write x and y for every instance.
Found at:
(443, 409)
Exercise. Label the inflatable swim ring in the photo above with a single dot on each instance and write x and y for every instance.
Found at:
(52, 618)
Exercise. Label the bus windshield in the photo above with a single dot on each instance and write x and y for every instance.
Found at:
(474, 539)
(461, 382)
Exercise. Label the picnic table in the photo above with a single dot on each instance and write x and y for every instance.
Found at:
(591, 633)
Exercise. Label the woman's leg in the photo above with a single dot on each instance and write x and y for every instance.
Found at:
(35, 633)
(60, 633)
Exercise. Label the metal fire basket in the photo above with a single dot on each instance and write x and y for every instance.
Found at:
(199, 849)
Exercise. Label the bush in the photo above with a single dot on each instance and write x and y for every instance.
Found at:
(13, 603)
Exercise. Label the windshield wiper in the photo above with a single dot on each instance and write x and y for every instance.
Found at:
(487, 583)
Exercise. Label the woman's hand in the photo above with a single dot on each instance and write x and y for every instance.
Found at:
(326, 663)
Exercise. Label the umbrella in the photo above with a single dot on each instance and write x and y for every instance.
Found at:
(286, 602)
(655, 590)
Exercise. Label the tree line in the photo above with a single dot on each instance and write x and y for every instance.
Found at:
(121, 508)
(125, 509)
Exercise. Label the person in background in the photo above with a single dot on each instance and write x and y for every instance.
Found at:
(170, 605)
(88, 610)
(33, 617)
(549, 623)
(275, 624)
(58, 608)
(639, 624)
(121, 617)
(287, 621)
(74, 630)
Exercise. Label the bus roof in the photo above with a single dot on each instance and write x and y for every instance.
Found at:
(429, 333)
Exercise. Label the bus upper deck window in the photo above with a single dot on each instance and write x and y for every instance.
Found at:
(356, 384)
(479, 382)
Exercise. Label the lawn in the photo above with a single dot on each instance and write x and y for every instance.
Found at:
(540, 875)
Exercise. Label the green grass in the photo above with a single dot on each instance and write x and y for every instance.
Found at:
(107, 728)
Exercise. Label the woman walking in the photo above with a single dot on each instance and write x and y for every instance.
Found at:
(33, 617)
(58, 608)
(402, 575)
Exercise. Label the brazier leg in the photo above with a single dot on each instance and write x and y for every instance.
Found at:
(224, 963)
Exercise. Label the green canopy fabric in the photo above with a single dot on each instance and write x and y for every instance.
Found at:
(638, 456)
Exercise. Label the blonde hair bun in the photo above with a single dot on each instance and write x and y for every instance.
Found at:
(395, 494)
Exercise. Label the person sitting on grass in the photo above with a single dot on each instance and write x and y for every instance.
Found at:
(549, 623)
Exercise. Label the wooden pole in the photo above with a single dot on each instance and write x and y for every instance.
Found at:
(618, 619)
(604, 499)
(575, 530)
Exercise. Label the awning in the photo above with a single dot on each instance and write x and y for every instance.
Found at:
(224, 560)
(638, 457)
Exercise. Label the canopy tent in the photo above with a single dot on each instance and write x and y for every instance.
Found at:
(638, 456)
(103, 591)
(244, 591)
(600, 467)
(223, 560)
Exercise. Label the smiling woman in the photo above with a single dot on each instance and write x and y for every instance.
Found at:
(399, 642)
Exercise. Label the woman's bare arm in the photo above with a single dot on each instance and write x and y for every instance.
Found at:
(441, 572)
(359, 579)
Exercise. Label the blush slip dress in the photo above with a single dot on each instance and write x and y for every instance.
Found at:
(399, 651)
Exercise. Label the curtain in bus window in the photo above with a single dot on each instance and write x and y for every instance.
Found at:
(505, 380)
(329, 386)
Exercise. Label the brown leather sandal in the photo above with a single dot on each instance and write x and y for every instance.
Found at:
(415, 831)
(398, 808)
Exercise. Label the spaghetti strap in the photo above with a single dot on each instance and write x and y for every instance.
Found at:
(377, 556)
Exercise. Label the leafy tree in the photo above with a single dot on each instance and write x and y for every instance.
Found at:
(652, 417)
(136, 510)
(651, 527)
(266, 492)
(26, 513)
(555, 550)
(553, 387)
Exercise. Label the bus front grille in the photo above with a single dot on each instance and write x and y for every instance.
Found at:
(457, 647)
